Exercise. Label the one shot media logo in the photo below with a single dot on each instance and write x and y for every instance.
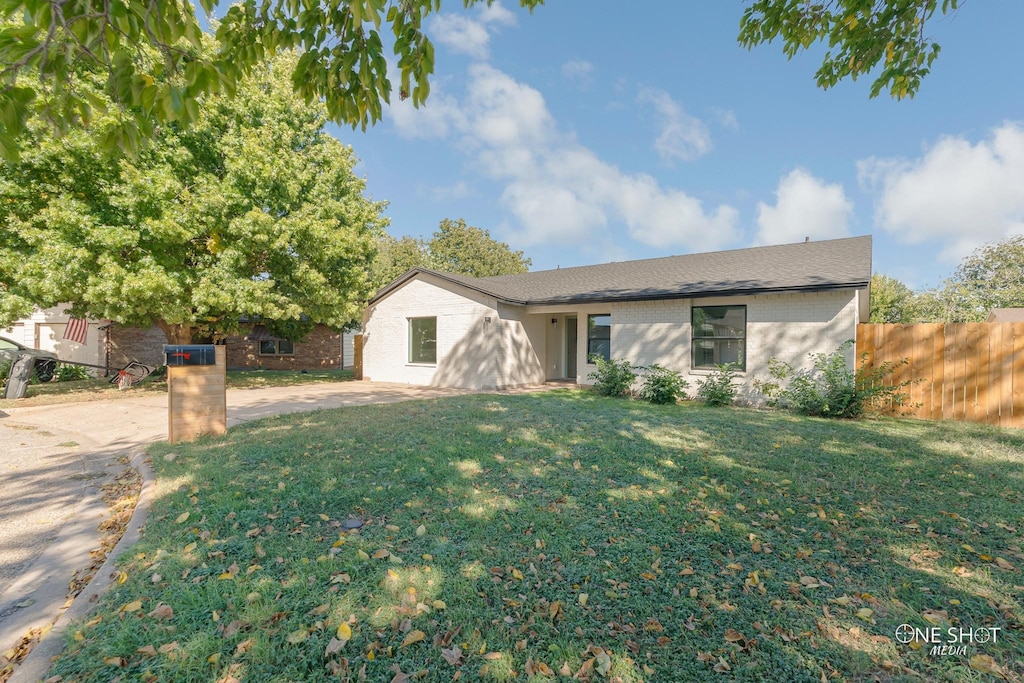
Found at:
(953, 640)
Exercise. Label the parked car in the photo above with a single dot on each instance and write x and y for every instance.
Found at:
(46, 361)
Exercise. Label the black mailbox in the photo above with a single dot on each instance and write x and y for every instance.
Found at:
(190, 354)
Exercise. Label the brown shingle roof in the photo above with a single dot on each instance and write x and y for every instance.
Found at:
(1006, 315)
(805, 266)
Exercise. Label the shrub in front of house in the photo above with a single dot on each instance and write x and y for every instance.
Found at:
(70, 373)
(829, 388)
(662, 385)
(613, 377)
(717, 389)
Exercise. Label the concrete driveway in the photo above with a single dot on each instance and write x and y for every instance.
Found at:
(55, 459)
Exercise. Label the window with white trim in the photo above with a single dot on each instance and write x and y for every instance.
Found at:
(719, 336)
(423, 340)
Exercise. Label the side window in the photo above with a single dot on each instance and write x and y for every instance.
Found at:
(599, 336)
(276, 347)
(719, 336)
(422, 340)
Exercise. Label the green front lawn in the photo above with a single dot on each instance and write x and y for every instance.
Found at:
(548, 536)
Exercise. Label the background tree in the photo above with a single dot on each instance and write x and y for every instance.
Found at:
(890, 300)
(343, 61)
(465, 249)
(395, 256)
(252, 210)
(991, 277)
(453, 248)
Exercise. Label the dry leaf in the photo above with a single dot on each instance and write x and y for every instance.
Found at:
(413, 637)
(334, 647)
(582, 599)
(722, 666)
(453, 656)
(439, 604)
(162, 611)
(167, 648)
(421, 530)
(296, 637)
(733, 636)
(133, 606)
(182, 518)
(985, 664)
(344, 632)
(147, 650)
(381, 554)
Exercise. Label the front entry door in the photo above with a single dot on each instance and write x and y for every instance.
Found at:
(571, 333)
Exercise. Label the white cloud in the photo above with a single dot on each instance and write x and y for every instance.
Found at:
(470, 34)
(805, 206)
(957, 193)
(457, 190)
(726, 118)
(438, 117)
(579, 72)
(682, 137)
(559, 191)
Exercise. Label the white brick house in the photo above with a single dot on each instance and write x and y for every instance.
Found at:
(686, 313)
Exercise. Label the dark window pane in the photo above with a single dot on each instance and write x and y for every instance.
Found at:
(719, 336)
(285, 347)
(268, 347)
(599, 336)
(423, 340)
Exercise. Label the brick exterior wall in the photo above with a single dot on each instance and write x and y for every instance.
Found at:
(476, 347)
(128, 344)
(321, 350)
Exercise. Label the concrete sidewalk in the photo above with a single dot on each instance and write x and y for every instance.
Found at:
(54, 461)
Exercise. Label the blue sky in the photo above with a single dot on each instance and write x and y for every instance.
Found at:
(584, 133)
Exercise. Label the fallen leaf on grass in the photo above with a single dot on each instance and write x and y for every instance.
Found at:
(722, 666)
(453, 655)
(182, 518)
(987, 665)
(334, 647)
(344, 632)
(296, 637)
(147, 650)
(162, 611)
(413, 637)
(133, 606)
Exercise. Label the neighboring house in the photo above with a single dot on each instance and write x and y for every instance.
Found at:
(686, 313)
(1005, 315)
(322, 349)
(114, 346)
(44, 329)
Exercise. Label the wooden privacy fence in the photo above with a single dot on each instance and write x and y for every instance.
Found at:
(357, 356)
(963, 371)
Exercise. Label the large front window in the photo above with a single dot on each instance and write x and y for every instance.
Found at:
(599, 336)
(422, 340)
(719, 336)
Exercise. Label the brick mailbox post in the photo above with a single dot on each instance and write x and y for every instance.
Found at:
(196, 398)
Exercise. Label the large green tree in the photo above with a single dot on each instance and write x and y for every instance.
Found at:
(455, 247)
(991, 277)
(468, 250)
(343, 62)
(253, 209)
(890, 300)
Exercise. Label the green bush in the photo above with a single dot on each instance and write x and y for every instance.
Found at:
(662, 385)
(830, 388)
(612, 377)
(5, 371)
(717, 388)
(70, 373)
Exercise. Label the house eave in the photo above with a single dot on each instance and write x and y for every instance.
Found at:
(694, 294)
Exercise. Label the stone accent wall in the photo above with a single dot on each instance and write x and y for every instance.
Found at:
(128, 344)
(321, 350)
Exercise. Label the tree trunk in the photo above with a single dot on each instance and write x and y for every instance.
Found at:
(176, 333)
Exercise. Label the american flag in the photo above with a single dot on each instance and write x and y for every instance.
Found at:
(76, 330)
